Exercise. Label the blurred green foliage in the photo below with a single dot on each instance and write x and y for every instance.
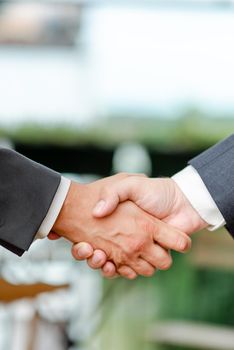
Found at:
(189, 291)
(198, 294)
(185, 292)
(192, 131)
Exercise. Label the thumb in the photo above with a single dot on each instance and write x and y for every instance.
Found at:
(106, 205)
(115, 194)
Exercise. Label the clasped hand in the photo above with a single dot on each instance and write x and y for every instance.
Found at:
(127, 224)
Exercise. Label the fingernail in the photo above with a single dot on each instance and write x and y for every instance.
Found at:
(96, 259)
(82, 251)
(99, 207)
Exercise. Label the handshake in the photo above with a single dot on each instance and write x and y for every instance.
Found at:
(127, 224)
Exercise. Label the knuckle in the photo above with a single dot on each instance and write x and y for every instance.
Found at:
(128, 251)
(119, 257)
(136, 246)
(142, 243)
(150, 229)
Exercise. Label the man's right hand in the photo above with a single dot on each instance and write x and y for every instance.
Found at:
(133, 240)
(161, 198)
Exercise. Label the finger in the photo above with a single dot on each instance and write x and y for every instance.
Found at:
(107, 205)
(170, 238)
(127, 272)
(118, 192)
(142, 267)
(53, 236)
(82, 251)
(158, 257)
(97, 260)
(109, 270)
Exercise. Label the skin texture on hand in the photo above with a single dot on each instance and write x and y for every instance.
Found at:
(127, 236)
(161, 198)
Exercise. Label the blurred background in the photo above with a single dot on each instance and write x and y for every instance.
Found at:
(138, 86)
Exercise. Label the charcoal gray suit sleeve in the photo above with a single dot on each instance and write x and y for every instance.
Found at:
(216, 168)
(26, 192)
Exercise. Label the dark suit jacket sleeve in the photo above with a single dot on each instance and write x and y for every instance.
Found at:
(26, 192)
(216, 168)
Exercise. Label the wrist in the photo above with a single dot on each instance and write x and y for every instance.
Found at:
(65, 225)
(191, 184)
(182, 205)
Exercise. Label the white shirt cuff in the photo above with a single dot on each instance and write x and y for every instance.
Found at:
(197, 193)
(54, 209)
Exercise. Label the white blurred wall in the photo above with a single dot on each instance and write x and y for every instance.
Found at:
(129, 60)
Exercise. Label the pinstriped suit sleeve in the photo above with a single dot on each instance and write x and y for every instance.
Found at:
(216, 168)
(26, 192)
